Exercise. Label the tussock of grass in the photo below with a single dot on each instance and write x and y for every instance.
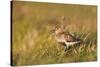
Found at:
(47, 51)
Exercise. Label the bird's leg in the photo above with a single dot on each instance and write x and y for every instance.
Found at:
(66, 47)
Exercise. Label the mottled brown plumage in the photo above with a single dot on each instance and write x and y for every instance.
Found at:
(64, 37)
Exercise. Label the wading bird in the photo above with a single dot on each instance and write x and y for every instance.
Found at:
(65, 38)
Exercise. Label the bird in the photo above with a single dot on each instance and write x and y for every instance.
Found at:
(65, 38)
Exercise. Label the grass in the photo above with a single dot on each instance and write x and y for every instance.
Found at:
(34, 44)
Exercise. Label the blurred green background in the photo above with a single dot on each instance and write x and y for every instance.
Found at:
(32, 41)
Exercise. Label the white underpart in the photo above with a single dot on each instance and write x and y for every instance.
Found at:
(71, 43)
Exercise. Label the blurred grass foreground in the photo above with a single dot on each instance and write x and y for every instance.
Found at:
(32, 40)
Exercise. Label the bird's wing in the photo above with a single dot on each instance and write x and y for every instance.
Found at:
(69, 38)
